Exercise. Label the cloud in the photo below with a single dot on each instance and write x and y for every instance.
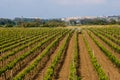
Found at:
(78, 2)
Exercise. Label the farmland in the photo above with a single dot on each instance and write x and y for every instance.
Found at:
(79, 53)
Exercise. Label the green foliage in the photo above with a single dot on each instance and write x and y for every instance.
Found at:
(21, 48)
(114, 38)
(50, 70)
(74, 63)
(1, 26)
(4, 21)
(113, 46)
(54, 23)
(107, 53)
(38, 59)
(8, 25)
(101, 74)
(13, 63)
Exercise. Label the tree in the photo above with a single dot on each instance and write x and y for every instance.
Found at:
(54, 23)
(8, 25)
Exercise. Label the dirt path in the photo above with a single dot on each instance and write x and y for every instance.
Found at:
(108, 67)
(44, 70)
(108, 47)
(65, 70)
(86, 68)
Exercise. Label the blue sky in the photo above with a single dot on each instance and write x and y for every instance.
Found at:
(58, 8)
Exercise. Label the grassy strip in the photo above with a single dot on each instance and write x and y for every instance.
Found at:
(98, 68)
(106, 52)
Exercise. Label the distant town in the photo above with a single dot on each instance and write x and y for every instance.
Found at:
(116, 18)
(79, 20)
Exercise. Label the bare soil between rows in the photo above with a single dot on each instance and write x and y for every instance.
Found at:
(108, 67)
(86, 68)
(65, 70)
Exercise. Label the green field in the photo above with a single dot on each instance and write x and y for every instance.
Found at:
(69, 53)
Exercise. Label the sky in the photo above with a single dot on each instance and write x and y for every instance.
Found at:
(58, 8)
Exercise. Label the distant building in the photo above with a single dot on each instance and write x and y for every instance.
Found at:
(116, 18)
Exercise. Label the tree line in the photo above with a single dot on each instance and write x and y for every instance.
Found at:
(33, 22)
(96, 21)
